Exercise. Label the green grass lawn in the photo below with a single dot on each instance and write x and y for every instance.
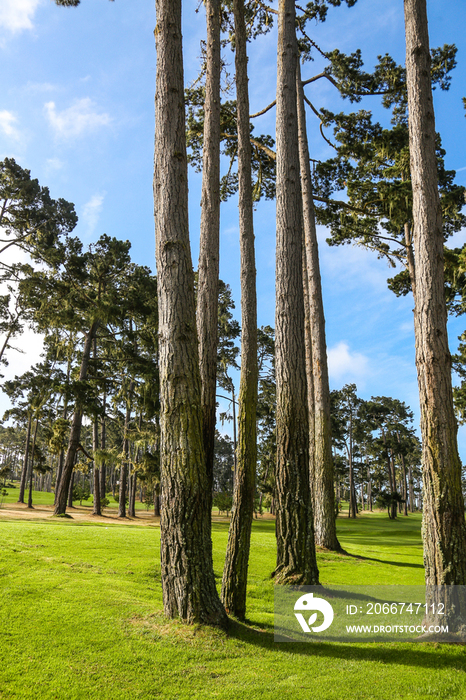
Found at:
(81, 617)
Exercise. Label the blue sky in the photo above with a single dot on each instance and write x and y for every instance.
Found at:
(76, 108)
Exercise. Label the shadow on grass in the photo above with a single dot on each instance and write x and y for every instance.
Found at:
(385, 561)
(400, 654)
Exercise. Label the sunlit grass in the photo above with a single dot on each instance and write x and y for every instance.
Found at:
(81, 617)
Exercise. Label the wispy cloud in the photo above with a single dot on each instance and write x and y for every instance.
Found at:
(16, 15)
(53, 164)
(83, 116)
(91, 212)
(7, 125)
(347, 366)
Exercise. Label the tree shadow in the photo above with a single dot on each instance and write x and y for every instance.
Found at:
(416, 654)
(384, 561)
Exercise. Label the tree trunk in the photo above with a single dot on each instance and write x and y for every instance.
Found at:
(188, 581)
(70, 491)
(125, 464)
(207, 289)
(31, 467)
(411, 489)
(323, 470)
(24, 473)
(157, 502)
(444, 529)
(97, 510)
(309, 381)
(60, 505)
(352, 505)
(296, 558)
(394, 505)
(95, 446)
(103, 468)
(235, 572)
(132, 495)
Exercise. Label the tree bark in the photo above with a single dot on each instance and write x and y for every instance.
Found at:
(207, 290)
(309, 378)
(60, 505)
(444, 529)
(296, 559)
(188, 581)
(97, 510)
(70, 491)
(31, 467)
(235, 572)
(323, 471)
(103, 468)
(24, 473)
(124, 469)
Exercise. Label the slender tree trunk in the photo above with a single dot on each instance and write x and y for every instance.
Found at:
(59, 473)
(97, 510)
(70, 491)
(207, 291)
(188, 581)
(95, 446)
(309, 380)
(444, 528)
(125, 464)
(31, 466)
(411, 489)
(296, 558)
(157, 501)
(394, 505)
(369, 489)
(352, 506)
(323, 470)
(103, 468)
(235, 442)
(235, 572)
(24, 473)
(132, 497)
(60, 505)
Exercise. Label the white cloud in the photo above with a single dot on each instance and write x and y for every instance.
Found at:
(91, 212)
(347, 366)
(7, 121)
(81, 117)
(16, 15)
(53, 164)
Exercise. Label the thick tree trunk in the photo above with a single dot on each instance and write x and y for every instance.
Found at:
(24, 473)
(207, 288)
(188, 581)
(323, 470)
(444, 529)
(73, 444)
(235, 572)
(296, 558)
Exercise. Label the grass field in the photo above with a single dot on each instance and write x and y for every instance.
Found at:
(81, 617)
